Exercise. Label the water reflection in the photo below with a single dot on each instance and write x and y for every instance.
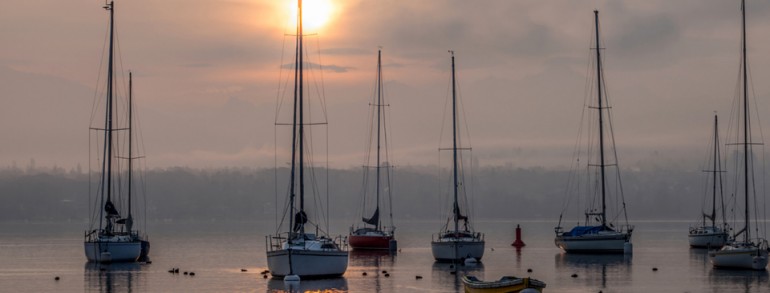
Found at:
(596, 269)
(333, 285)
(699, 259)
(724, 280)
(450, 274)
(116, 277)
(371, 258)
(375, 263)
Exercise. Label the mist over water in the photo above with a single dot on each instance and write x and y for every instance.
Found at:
(185, 194)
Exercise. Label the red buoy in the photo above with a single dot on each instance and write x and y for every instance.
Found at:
(518, 242)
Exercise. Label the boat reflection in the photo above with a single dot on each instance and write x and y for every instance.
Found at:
(449, 275)
(726, 280)
(575, 260)
(371, 258)
(595, 270)
(333, 285)
(115, 277)
(699, 258)
(375, 263)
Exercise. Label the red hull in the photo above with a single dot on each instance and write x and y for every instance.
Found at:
(369, 242)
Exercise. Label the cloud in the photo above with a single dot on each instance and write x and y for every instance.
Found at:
(327, 67)
(346, 51)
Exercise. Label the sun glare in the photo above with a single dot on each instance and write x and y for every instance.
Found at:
(315, 13)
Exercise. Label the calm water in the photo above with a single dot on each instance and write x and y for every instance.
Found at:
(31, 255)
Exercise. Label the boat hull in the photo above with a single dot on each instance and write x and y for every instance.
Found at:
(449, 250)
(709, 239)
(109, 251)
(594, 243)
(740, 257)
(307, 263)
(504, 285)
(369, 241)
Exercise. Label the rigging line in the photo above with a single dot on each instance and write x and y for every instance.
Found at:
(275, 171)
(328, 214)
(90, 187)
(754, 193)
(439, 187)
(96, 100)
(572, 177)
(282, 87)
(467, 136)
(721, 183)
(323, 86)
(764, 202)
(750, 81)
(615, 152)
(368, 142)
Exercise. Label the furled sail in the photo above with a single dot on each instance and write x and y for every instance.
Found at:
(458, 214)
(110, 209)
(299, 220)
(375, 219)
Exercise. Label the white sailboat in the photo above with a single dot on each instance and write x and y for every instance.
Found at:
(297, 254)
(114, 239)
(746, 251)
(598, 233)
(457, 243)
(373, 235)
(704, 235)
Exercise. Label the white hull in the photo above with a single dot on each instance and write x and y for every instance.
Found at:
(594, 243)
(445, 250)
(113, 251)
(740, 257)
(307, 263)
(708, 240)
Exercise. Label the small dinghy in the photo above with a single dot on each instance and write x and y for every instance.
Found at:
(505, 284)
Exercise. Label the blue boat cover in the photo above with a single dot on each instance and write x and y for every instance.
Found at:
(582, 230)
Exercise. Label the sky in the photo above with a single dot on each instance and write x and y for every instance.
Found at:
(206, 76)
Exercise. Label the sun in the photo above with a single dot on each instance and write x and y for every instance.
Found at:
(315, 13)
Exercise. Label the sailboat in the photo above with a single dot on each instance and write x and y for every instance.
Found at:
(744, 252)
(298, 254)
(376, 236)
(456, 243)
(114, 240)
(712, 236)
(598, 234)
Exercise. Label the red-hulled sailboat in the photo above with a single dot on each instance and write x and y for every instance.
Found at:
(372, 234)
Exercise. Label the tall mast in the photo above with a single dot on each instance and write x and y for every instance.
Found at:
(454, 142)
(379, 111)
(129, 222)
(300, 92)
(108, 129)
(601, 119)
(715, 172)
(745, 123)
(297, 98)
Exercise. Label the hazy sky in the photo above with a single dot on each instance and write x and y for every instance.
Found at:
(207, 72)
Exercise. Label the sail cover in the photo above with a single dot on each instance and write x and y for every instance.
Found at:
(458, 214)
(299, 220)
(110, 209)
(375, 219)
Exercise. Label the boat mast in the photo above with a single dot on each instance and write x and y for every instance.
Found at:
(130, 220)
(108, 135)
(454, 142)
(715, 172)
(601, 114)
(379, 111)
(297, 97)
(745, 123)
(300, 92)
